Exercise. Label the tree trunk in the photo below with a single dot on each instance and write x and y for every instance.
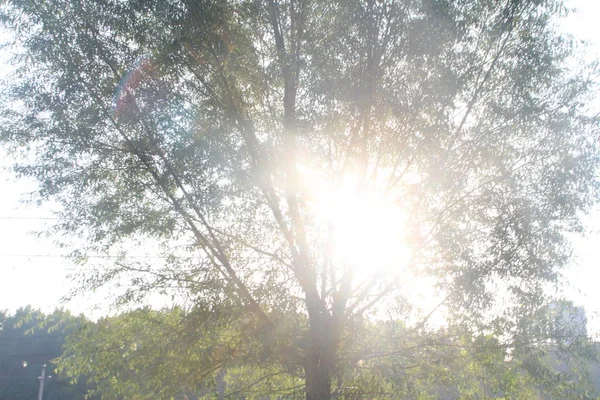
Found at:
(318, 378)
(320, 359)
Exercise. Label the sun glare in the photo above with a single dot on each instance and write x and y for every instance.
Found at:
(368, 229)
(369, 232)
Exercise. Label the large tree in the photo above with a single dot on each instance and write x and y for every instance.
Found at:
(309, 167)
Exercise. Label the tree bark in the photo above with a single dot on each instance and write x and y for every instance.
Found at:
(318, 377)
(319, 361)
(318, 383)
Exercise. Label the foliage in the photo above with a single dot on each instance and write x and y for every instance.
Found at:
(28, 340)
(212, 131)
(145, 354)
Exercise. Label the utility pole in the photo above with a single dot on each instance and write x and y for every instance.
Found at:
(42, 379)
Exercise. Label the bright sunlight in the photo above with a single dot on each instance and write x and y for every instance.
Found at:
(367, 231)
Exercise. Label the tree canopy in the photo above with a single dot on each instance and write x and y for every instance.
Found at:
(304, 170)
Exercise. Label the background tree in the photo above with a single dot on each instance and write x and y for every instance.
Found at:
(174, 354)
(310, 166)
(179, 354)
(28, 340)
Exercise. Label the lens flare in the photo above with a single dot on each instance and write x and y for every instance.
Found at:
(124, 96)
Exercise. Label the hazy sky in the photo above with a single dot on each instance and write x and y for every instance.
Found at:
(32, 271)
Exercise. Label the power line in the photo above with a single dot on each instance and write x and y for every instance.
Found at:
(28, 218)
(26, 336)
(50, 354)
(98, 256)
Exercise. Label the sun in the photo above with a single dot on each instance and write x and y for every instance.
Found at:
(367, 229)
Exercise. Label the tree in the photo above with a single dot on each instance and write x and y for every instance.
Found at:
(172, 354)
(310, 166)
(30, 339)
(147, 353)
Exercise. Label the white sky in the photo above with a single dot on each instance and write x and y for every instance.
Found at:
(31, 271)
